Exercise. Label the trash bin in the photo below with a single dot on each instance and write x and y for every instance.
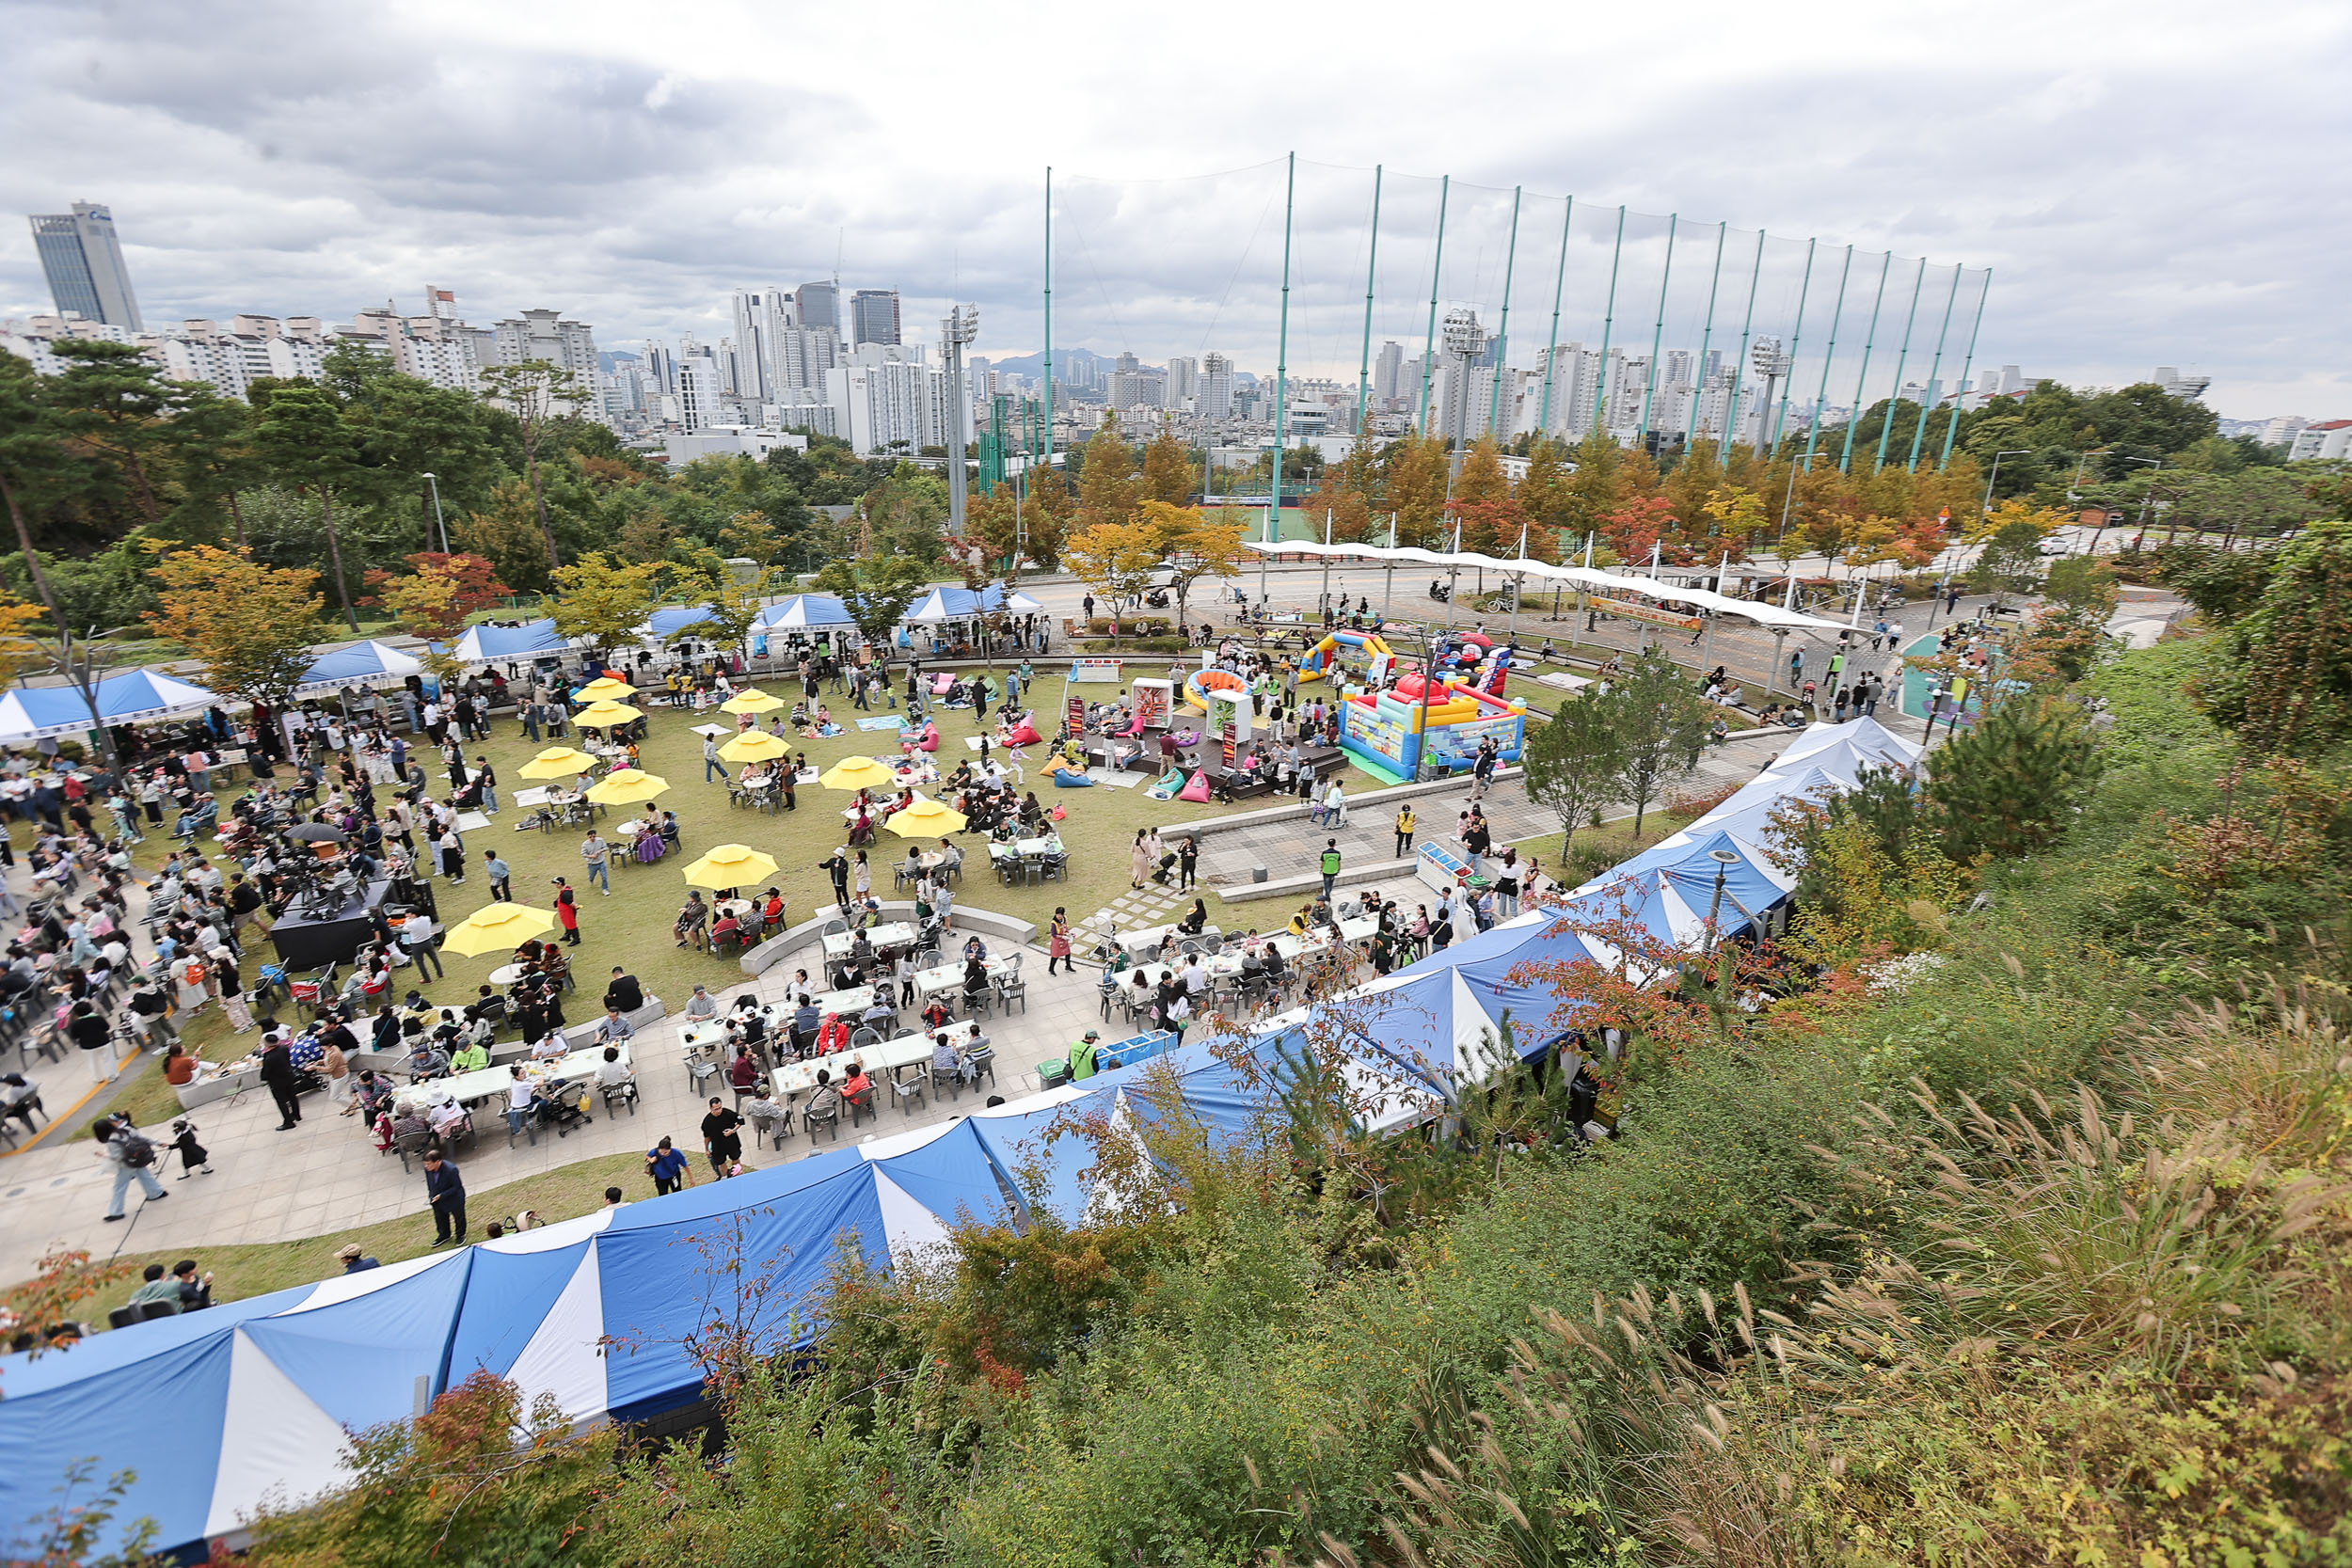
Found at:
(1053, 1074)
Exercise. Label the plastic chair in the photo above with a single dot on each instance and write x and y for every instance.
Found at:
(406, 1144)
(829, 1121)
(1010, 991)
(978, 1004)
(909, 1083)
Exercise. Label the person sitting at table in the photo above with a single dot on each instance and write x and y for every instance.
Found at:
(371, 1094)
(1032, 812)
(1140, 993)
(938, 1015)
(804, 1021)
(471, 1056)
(824, 1102)
(856, 1087)
(1196, 919)
(444, 1116)
(860, 950)
(743, 1071)
(843, 975)
(615, 1028)
(832, 1036)
(771, 909)
(724, 929)
(1303, 920)
(946, 1061)
(1276, 965)
(411, 1123)
(427, 1060)
(763, 1111)
(693, 927)
(550, 1047)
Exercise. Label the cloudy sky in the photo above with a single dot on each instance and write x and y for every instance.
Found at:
(2149, 184)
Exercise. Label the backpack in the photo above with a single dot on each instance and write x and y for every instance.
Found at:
(137, 1152)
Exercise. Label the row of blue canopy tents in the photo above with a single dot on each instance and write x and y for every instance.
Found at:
(261, 1395)
(31, 712)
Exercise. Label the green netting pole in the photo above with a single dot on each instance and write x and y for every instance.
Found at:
(1429, 344)
(1886, 425)
(1820, 394)
(1049, 315)
(1282, 356)
(1740, 366)
(1657, 334)
(1870, 339)
(1608, 323)
(1707, 336)
(1787, 383)
(1552, 348)
(1966, 365)
(1372, 273)
(1936, 371)
(1502, 333)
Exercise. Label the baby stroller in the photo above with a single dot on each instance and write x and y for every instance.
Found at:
(563, 1106)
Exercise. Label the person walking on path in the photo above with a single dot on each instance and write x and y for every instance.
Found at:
(1187, 862)
(279, 1077)
(1405, 822)
(487, 778)
(1331, 864)
(501, 878)
(567, 911)
(1057, 942)
(668, 1168)
(133, 1157)
(1138, 861)
(721, 1140)
(712, 767)
(445, 1191)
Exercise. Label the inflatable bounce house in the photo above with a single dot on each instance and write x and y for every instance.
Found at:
(1325, 656)
(1391, 733)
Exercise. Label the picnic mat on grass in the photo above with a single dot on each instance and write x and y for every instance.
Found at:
(1117, 778)
(884, 723)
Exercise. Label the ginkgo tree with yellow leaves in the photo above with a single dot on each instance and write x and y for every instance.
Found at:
(250, 626)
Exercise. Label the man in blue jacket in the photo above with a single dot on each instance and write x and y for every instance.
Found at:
(445, 1189)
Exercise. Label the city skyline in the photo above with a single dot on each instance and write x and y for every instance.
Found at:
(635, 180)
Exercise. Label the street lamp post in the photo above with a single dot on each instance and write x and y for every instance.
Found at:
(435, 486)
(1725, 860)
(1772, 362)
(1995, 477)
(1464, 341)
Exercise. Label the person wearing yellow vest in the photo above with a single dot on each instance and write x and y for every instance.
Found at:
(1405, 823)
(1330, 866)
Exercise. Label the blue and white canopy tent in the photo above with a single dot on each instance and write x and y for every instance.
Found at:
(483, 643)
(30, 712)
(804, 613)
(670, 620)
(368, 663)
(961, 603)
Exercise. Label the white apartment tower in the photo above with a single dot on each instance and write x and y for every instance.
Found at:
(1215, 399)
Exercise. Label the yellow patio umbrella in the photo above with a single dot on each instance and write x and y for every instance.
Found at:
(605, 714)
(926, 819)
(557, 761)
(627, 786)
(751, 701)
(605, 686)
(731, 866)
(754, 746)
(498, 927)
(858, 773)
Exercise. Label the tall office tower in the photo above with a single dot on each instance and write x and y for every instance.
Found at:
(1387, 370)
(661, 370)
(808, 353)
(817, 307)
(1183, 380)
(1215, 399)
(84, 263)
(873, 317)
(698, 387)
(761, 316)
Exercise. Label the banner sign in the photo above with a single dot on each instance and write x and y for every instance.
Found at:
(1095, 669)
(1649, 615)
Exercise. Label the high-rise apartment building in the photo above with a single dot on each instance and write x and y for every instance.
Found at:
(1387, 371)
(1183, 380)
(762, 316)
(873, 317)
(545, 335)
(83, 261)
(1214, 400)
(885, 397)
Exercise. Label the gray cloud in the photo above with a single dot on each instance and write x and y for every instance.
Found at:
(2148, 182)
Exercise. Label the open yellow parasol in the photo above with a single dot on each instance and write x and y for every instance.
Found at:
(754, 746)
(926, 819)
(498, 927)
(731, 866)
(627, 786)
(751, 701)
(603, 715)
(557, 761)
(858, 773)
(604, 687)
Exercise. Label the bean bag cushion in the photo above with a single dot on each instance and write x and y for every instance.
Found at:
(1165, 786)
(1198, 789)
(931, 737)
(1024, 733)
(1071, 778)
(942, 683)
